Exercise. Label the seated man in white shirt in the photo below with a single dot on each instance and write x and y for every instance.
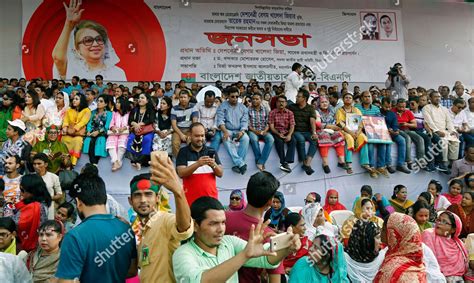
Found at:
(207, 110)
(460, 121)
(445, 138)
(468, 136)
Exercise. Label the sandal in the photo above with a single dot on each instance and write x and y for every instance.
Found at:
(349, 170)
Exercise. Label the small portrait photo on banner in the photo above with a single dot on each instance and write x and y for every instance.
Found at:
(388, 26)
(369, 26)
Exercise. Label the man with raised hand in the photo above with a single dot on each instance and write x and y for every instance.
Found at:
(211, 256)
(159, 233)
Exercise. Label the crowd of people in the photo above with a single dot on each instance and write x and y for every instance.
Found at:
(59, 225)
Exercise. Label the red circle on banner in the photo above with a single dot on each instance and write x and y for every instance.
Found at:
(133, 29)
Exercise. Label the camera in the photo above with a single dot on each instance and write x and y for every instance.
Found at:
(394, 70)
(309, 73)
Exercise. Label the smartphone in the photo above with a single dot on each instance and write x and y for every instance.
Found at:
(159, 155)
(280, 242)
(211, 152)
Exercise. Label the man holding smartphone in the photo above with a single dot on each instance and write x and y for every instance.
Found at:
(198, 166)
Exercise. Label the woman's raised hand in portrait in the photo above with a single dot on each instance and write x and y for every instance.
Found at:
(74, 11)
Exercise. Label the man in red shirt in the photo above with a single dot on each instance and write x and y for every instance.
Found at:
(198, 166)
(260, 190)
(407, 122)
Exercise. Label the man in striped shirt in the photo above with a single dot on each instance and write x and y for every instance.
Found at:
(259, 129)
(182, 116)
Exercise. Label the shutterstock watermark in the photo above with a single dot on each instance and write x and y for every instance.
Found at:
(115, 245)
(433, 151)
(344, 45)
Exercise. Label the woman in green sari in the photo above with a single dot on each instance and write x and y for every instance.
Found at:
(52, 147)
(9, 111)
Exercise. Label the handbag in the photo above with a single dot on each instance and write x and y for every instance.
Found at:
(145, 130)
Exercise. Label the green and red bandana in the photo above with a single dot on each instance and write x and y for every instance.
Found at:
(144, 185)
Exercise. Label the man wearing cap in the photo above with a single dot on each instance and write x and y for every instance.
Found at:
(158, 233)
(14, 144)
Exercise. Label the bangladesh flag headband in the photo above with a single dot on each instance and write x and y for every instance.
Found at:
(144, 185)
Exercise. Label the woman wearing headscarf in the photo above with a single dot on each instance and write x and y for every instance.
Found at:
(465, 211)
(277, 213)
(403, 261)
(317, 222)
(399, 199)
(363, 255)
(332, 202)
(454, 194)
(51, 146)
(382, 206)
(237, 201)
(449, 250)
(329, 134)
(55, 114)
(84, 49)
(325, 263)
(364, 210)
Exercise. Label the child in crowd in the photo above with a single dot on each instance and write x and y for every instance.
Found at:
(440, 201)
(454, 195)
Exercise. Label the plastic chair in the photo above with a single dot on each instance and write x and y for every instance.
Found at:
(339, 216)
(295, 209)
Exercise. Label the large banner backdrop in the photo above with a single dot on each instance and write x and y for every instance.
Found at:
(131, 40)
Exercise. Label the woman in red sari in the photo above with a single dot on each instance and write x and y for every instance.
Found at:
(465, 211)
(32, 210)
(403, 261)
(332, 202)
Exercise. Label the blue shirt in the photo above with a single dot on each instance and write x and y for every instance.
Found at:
(100, 89)
(391, 120)
(372, 111)
(235, 118)
(70, 88)
(169, 93)
(99, 249)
